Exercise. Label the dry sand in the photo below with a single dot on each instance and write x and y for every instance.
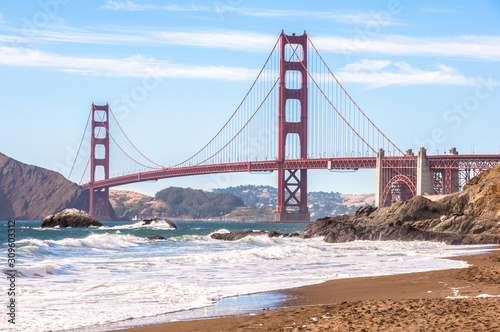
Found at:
(406, 302)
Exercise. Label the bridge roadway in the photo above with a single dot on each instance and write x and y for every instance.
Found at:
(435, 162)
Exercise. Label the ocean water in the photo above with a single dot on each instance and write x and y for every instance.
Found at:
(80, 279)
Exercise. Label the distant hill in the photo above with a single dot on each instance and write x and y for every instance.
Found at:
(31, 193)
(129, 205)
(197, 203)
(320, 203)
(173, 202)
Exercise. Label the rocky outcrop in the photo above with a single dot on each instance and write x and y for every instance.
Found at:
(467, 217)
(240, 235)
(70, 218)
(30, 193)
(156, 237)
(158, 220)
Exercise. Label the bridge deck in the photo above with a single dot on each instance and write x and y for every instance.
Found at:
(439, 161)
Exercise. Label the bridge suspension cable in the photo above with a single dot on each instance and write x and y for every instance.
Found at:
(80, 145)
(350, 98)
(337, 127)
(121, 149)
(192, 160)
(159, 166)
(322, 126)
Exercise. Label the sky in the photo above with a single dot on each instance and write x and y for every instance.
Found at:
(426, 72)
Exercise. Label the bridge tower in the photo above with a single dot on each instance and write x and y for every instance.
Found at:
(99, 141)
(292, 183)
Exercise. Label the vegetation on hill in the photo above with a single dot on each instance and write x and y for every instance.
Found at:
(130, 205)
(197, 203)
(173, 202)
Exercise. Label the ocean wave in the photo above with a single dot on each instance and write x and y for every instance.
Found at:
(221, 231)
(104, 241)
(269, 249)
(189, 238)
(158, 224)
(41, 269)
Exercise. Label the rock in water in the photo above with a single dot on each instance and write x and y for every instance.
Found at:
(157, 220)
(70, 218)
(233, 236)
(156, 237)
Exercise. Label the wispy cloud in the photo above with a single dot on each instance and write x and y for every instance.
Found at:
(356, 18)
(1, 16)
(372, 73)
(472, 47)
(440, 10)
(340, 17)
(378, 73)
(367, 64)
(233, 40)
(135, 66)
(133, 6)
(460, 47)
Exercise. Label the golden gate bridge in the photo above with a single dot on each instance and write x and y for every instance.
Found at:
(295, 116)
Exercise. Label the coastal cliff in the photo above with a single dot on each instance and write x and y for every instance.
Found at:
(467, 217)
(29, 192)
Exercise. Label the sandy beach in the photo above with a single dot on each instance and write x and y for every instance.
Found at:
(447, 300)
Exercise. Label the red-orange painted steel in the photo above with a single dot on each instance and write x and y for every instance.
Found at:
(99, 196)
(338, 163)
(292, 183)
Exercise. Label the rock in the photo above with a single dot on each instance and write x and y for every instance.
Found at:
(156, 237)
(365, 211)
(468, 217)
(157, 220)
(70, 218)
(239, 235)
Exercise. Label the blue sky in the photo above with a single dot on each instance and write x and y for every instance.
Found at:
(426, 72)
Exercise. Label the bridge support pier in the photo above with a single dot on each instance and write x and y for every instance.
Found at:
(292, 183)
(425, 176)
(379, 183)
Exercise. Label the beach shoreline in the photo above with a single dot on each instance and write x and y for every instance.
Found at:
(412, 301)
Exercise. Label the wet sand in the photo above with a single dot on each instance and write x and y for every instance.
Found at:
(427, 301)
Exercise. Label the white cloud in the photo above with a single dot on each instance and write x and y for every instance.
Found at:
(367, 64)
(472, 47)
(133, 6)
(440, 10)
(468, 47)
(345, 18)
(135, 66)
(247, 41)
(1, 16)
(373, 73)
(360, 18)
(378, 73)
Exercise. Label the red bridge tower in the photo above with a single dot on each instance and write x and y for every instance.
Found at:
(292, 183)
(99, 141)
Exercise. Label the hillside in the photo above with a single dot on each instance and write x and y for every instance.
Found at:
(31, 193)
(197, 203)
(129, 204)
(320, 203)
(173, 202)
(467, 217)
(257, 203)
